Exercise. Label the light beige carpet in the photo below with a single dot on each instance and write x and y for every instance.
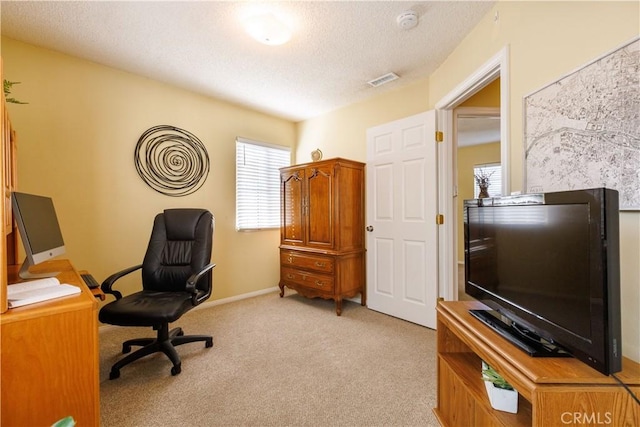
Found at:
(278, 362)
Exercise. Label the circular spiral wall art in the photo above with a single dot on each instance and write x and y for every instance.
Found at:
(171, 160)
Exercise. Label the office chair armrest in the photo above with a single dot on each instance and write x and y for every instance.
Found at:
(108, 282)
(197, 296)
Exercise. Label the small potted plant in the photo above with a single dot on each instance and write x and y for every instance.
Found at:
(502, 395)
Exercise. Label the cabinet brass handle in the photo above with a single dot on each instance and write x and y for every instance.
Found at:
(289, 276)
(319, 283)
(320, 264)
(290, 260)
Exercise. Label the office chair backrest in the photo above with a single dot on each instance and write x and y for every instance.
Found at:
(180, 245)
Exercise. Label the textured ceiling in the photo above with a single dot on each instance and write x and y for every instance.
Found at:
(335, 49)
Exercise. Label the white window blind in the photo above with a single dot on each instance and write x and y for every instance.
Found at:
(495, 179)
(258, 184)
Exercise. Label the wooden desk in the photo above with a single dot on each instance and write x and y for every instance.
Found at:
(49, 357)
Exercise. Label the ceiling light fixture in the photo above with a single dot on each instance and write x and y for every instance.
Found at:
(267, 29)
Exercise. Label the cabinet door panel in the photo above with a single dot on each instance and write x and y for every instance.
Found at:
(320, 206)
(455, 403)
(293, 215)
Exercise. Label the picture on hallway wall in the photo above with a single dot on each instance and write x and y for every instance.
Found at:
(583, 130)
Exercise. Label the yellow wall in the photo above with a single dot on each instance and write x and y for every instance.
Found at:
(76, 140)
(546, 41)
(489, 96)
(342, 132)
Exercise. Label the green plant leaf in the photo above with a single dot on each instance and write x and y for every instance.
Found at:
(492, 376)
(7, 85)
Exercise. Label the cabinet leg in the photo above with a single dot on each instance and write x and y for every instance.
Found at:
(281, 285)
(339, 306)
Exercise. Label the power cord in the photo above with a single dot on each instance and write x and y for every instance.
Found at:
(626, 387)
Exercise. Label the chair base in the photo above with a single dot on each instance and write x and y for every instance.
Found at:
(165, 342)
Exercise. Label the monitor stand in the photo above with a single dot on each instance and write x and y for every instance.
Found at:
(24, 272)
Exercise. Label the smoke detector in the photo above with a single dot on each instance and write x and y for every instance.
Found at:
(407, 19)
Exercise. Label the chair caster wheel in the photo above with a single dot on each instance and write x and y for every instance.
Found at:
(126, 349)
(176, 370)
(208, 343)
(115, 373)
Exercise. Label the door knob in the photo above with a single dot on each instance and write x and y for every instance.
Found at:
(369, 228)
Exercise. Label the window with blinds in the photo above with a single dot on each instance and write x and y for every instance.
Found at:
(258, 184)
(494, 172)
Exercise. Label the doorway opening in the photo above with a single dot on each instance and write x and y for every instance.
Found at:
(448, 238)
(476, 156)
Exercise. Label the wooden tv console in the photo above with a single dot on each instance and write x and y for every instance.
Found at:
(553, 391)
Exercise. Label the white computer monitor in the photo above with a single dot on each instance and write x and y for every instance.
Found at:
(40, 231)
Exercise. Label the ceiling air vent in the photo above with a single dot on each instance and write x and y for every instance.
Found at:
(389, 77)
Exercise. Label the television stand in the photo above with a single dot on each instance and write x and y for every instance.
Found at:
(530, 343)
(552, 391)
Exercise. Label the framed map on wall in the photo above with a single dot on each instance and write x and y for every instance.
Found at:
(583, 130)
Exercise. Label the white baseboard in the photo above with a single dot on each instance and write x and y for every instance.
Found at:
(237, 297)
(104, 327)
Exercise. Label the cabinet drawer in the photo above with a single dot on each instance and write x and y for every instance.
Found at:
(317, 282)
(305, 261)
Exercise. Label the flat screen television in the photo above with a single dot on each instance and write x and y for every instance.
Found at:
(40, 231)
(548, 267)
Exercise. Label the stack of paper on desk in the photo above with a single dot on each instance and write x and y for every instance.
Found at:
(38, 290)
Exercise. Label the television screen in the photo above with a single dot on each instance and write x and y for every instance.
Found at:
(549, 263)
(39, 228)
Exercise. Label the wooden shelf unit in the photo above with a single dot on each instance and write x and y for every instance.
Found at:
(553, 391)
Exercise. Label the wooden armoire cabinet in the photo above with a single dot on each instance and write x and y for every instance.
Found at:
(322, 250)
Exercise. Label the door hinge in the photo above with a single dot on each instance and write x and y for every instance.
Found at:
(439, 219)
(439, 136)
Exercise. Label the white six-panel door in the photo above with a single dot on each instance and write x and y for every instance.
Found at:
(401, 233)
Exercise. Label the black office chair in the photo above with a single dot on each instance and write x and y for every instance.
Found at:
(176, 276)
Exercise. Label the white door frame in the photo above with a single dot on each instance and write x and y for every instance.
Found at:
(497, 66)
